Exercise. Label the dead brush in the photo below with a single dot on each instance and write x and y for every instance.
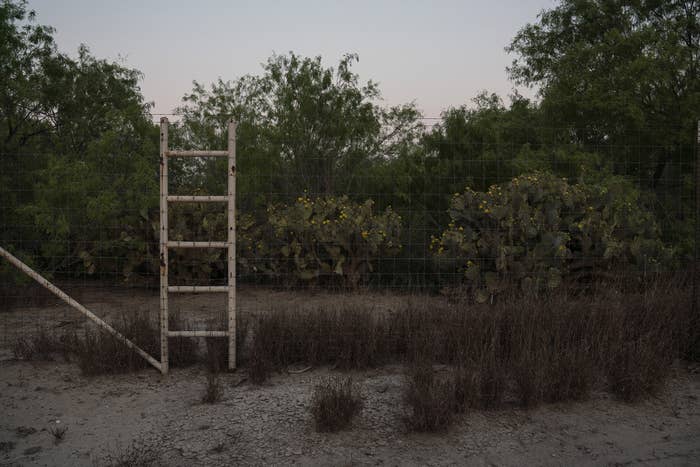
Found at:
(430, 399)
(41, 345)
(182, 351)
(137, 454)
(334, 404)
(347, 338)
(58, 433)
(98, 352)
(466, 384)
(641, 344)
(213, 391)
(551, 342)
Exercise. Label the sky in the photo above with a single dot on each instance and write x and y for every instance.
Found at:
(438, 53)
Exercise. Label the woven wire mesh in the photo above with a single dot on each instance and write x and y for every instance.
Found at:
(314, 224)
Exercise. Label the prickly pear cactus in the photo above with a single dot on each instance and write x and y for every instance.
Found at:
(322, 237)
(534, 230)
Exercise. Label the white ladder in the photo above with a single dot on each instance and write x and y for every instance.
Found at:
(230, 244)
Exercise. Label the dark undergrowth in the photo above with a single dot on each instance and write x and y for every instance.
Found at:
(334, 403)
(522, 350)
(137, 454)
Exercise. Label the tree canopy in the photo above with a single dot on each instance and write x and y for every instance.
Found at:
(618, 71)
(618, 98)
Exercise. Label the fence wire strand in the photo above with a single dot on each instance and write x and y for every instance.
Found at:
(469, 217)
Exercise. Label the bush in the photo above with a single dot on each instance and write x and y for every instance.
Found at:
(642, 343)
(137, 454)
(431, 400)
(348, 338)
(537, 229)
(40, 346)
(99, 352)
(322, 238)
(213, 392)
(335, 402)
(552, 344)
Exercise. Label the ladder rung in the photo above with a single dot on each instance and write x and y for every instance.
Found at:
(196, 199)
(197, 333)
(196, 153)
(178, 244)
(197, 288)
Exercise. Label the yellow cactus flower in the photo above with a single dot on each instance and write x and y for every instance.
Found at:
(365, 234)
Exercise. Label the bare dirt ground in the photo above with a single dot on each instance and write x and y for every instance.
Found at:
(271, 424)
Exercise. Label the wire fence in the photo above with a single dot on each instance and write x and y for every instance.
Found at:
(469, 217)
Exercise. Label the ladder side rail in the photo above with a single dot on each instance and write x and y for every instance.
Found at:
(164, 328)
(231, 244)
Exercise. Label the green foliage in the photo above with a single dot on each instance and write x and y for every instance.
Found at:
(308, 126)
(609, 67)
(624, 75)
(538, 228)
(321, 238)
(78, 159)
(78, 154)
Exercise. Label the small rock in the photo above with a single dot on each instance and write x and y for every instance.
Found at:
(32, 450)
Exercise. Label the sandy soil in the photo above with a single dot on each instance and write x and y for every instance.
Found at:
(271, 424)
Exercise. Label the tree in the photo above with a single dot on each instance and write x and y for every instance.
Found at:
(623, 73)
(308, 127)
(78, 152)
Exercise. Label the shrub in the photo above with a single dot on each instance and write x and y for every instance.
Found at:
(40, 346)
(58, 433)
(137, 454)
(538, 228)
(99, 352)
(335, 402)
(329, 237)
(552, 344)
(642, 346)
(431, 400)
(348, 338)
(213, 392)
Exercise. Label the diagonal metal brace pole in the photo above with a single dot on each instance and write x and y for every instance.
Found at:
(70, 301)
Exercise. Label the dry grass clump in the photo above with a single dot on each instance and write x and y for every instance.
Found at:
(58, 433)
(643, 341)
(524, 349)
(334, 404)
(351, 338)
(431, 399)
(98, 352)
(213, 391)
(551, 345)
(42, 345)
(137, 454)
